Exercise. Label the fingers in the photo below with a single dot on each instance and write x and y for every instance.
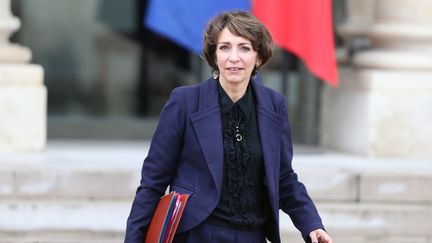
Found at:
(324, 238)
(320, 236)
(313, 236)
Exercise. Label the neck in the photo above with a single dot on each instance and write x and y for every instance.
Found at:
(235, 91)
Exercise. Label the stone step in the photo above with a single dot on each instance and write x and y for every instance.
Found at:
(48, 221)
(332, 177)
(378, 187)
(92, 216)
(361, 239)
(82, 192)
(85, 237)
(345, 220)
(83, 178)
(60, 237)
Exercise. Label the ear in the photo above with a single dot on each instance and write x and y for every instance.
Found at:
(258, 63)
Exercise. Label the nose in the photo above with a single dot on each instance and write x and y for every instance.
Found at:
(234, 57)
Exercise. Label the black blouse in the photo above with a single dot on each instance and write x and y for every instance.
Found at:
(244, 201)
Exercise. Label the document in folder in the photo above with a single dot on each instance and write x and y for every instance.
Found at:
(166, 218)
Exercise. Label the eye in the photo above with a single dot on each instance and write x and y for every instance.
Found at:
(223, 47)
(245, 48)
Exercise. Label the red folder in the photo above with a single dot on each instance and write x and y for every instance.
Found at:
(166, 218)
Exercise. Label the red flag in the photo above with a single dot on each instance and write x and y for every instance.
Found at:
(303, 27)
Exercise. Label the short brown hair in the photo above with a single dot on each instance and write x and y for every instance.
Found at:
(240, 23)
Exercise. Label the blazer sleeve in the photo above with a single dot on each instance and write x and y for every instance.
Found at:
(158, 168)
(294, 199)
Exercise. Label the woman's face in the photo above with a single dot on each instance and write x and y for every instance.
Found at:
(235, 58)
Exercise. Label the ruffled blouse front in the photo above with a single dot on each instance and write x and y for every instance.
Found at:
(243, 202)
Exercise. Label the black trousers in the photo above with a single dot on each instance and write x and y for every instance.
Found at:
(209, 233)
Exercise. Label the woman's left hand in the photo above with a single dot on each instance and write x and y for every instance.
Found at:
(320, 236)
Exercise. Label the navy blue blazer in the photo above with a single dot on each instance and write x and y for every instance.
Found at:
(186, 153)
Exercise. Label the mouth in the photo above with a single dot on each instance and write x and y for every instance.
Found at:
(234, 69)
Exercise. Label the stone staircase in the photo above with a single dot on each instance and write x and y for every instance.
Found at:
(81, 191)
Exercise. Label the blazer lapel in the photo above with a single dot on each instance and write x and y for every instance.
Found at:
(208, 128)
(270, 126)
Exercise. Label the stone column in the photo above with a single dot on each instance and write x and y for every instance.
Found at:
(384, 104)
(22, 93)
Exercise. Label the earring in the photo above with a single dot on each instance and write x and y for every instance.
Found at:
(215, 74)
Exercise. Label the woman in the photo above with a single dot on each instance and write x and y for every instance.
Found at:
(227, 143)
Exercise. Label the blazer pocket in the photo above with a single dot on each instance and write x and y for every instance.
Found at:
(182, 188)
